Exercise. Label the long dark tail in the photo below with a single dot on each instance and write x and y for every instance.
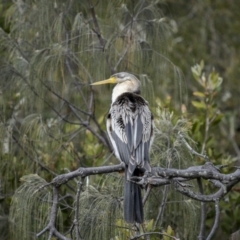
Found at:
(133, 207)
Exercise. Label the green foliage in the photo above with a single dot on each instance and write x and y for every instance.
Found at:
(100, 213)
(49, 121)
(209, 114)
(30, 208)
(169, 151)
(209, 118)
(168, 232)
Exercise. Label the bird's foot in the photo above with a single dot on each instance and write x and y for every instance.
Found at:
(143, 180)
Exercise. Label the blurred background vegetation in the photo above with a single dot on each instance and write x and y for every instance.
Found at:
(186, 54)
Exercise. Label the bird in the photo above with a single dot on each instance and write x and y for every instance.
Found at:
(130, 127)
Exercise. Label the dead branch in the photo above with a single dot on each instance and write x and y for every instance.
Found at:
(159, 177)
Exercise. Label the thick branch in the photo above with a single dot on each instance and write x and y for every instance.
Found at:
(206, 171)
(83, 172)
(160, 177)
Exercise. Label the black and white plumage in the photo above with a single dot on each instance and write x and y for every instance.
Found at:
(130, 129)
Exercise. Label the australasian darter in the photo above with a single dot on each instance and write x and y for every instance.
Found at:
(130, 129)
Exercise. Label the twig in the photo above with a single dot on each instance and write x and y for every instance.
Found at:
(191, 149)
(200, 197)
(122, 57)
(231, 138)
(33, 158)
(153, 233)
(63, 99)
(16, 45)
(86, 124)
(76, 217)
(101, 137)
(216, 221)
(98, 32)
(42, 98)
(203, 212)
(207, 124)
(223, 181)
(161, 207)
(208, 171)
(53, 216)
(149, 187)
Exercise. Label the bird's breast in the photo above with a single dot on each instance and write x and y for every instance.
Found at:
(129, 101)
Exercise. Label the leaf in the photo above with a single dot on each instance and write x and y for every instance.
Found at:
(149, 226)
(169, 232)
(202, 64)
(217, 120)
(195, 73)
(200, 105)
(199, 94)
(214, 80)
(166, 237)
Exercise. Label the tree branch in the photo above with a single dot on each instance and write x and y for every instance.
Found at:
(99, 35)
(216, 221)
(83, 172)
(76, 217)
(206, 171)
(154, 233)
(53, 216)
(160, 176)
(203, 212)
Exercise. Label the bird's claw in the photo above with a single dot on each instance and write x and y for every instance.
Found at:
(142, 180)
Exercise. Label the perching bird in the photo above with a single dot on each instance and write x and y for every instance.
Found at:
(130, 129)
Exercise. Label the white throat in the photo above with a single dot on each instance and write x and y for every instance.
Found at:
(117, 91)
(123, 87)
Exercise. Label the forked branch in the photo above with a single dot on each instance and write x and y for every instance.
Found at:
(159, 177)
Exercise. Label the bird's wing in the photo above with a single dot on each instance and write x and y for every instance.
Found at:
(130, 128)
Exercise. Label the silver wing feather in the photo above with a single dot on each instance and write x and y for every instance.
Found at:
(130, 128)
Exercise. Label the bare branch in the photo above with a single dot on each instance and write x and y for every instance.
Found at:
(83, 172)
(76, 217)
(154, 233)
(216, 221)
(149, 187)
(206, 171)
(191, 149)
(203, 198)
(161, 207)
(122, 57)
(203, 212)
(102, 137)
(162, 176)
(53, 216)
(35, 159)
(99, 35)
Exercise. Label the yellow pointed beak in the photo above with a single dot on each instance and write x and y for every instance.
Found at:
(110, 80)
